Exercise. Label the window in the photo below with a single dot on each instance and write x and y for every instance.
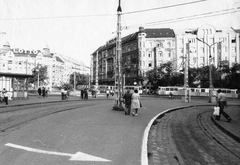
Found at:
(143, 53)
(169, 54)
(160, 54)
(150, 64)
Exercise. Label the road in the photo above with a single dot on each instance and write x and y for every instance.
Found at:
(89, 127)
(76, 132)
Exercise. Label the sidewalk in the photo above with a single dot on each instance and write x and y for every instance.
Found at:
(231, 128)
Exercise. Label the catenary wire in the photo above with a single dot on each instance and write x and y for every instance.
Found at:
(180, 19)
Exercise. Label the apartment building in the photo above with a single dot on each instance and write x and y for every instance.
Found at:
(20, 63)
(147, 49)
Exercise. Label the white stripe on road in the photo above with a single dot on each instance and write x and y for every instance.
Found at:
(79, 156)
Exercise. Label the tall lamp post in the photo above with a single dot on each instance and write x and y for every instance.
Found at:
(118, 103)
(210, 68)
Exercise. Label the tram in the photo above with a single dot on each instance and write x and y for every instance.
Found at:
(165, 90)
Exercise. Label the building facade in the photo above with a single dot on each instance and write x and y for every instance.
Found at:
(147, 49)
(22, 62)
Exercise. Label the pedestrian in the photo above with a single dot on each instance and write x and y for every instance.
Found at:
(62, 93)
(1, 97)
(135, 102)
(170, 95)
(85, 94)
(39, 91)
(222, 102)
(128, 101)
(5, 95)
(43, 92)
(82, 93)
(107, 92)
(47, 90)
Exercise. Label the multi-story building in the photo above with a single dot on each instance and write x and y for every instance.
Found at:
(149, 48)
(208, 45)
(19, 62)
(141, 51)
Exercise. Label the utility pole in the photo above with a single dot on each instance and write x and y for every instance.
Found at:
(210, 68)
(187, 97)
(118, 96)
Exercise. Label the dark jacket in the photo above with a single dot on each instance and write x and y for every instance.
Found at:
(128, 98)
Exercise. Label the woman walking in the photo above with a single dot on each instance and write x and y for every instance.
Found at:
(135, 102)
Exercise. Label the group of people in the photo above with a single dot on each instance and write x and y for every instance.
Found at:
(84, 94)
(109, 93)
(65, 93)
(132, 102)
(4, 96)
(43, 91)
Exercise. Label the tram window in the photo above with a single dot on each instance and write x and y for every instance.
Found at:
(192, 89)
(167, 89)
(228, 91)
(202, 90)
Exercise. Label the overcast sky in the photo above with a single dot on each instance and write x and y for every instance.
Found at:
(76, 28)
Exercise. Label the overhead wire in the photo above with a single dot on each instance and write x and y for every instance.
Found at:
(163, 7)
(180, 19)
(103, 15)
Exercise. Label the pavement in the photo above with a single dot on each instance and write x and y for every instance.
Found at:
(231, 128)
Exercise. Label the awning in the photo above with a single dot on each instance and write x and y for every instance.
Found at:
(17, 75)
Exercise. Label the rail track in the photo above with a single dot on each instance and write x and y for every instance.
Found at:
(187, 137)
(14, 118)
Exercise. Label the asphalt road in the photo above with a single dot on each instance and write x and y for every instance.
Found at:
(106, 136)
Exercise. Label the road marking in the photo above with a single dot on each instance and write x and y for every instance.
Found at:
(79, 156)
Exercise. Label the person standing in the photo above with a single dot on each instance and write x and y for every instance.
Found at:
(5, 95)
(43, 92)
(107, 92)
(39, 91)
(135, 102)
(222, 102)
(82, 93)
(128, 101)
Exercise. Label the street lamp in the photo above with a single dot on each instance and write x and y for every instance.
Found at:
(210, 68)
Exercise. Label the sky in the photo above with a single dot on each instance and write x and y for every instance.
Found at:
(76, 28)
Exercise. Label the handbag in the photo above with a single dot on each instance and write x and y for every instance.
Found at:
(216, 111)
(140, 104)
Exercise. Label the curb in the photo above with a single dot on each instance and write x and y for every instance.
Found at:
(144, 152)
(225, 130)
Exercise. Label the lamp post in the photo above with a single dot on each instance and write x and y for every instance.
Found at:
(210, 68)
(118, 70)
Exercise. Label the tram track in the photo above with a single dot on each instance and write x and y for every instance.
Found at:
(189, 136)
(14, 118)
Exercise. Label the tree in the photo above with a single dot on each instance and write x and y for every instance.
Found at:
(80, 79)
(234, 78)
(40, 74)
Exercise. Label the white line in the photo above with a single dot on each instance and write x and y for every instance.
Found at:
(37, 150)
(79, 156)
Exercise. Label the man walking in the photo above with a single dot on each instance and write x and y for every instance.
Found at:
(222, 102)
(128, 101)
